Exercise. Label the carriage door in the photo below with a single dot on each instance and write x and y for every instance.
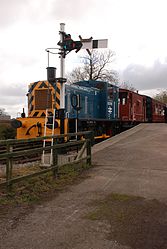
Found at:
(131, 107)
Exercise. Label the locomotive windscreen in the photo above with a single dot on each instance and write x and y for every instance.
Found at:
(43, 99)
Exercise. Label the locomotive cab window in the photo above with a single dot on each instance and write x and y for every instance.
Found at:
(110, 96)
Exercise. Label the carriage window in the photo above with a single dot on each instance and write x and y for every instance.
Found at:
(162, 112)
(123, 98)
(156, 109)
(138, 102)
(123, 101)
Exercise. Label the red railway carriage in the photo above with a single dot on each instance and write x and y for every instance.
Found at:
(131, 107)
(158, 111)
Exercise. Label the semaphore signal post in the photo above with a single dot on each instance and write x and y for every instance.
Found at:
(66, 45)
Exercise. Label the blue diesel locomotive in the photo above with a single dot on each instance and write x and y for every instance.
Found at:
(93, 104)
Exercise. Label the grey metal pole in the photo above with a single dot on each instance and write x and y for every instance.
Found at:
(62, 69)
(76, 124)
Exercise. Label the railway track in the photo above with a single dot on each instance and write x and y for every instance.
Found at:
(21, 147)
(36, 156)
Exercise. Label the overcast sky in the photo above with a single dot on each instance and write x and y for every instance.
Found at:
(136, 30)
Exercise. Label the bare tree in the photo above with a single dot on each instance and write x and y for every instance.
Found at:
(161, 96)
(95, 67)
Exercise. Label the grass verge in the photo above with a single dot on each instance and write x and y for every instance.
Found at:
(34, 189)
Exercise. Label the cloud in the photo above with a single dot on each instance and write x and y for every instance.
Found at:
(72, 9)
(13, 98)
(15, 11)
(10, 11)
(15, 110)
(12, 91)
(142, 77)
(11, 101)
(10, 58)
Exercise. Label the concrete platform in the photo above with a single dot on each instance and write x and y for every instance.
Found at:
(134, 162)
(117, 138)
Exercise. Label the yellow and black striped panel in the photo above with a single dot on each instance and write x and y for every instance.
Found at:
(41, 96)
(57, 96)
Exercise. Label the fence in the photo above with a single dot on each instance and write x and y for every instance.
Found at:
(13, 149)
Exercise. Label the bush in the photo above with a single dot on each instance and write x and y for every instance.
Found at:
(7, 132)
